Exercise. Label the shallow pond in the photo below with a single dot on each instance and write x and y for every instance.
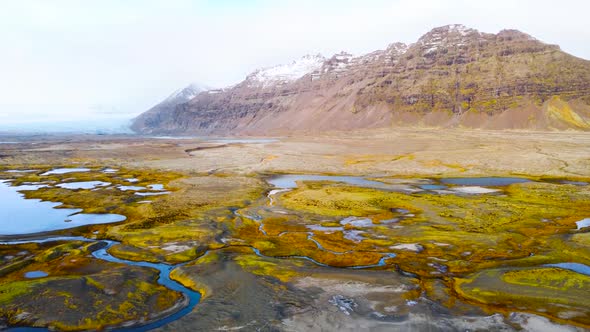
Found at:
(66, 171)
(35, 274)
(464, 185)
(484, 181)
(83, 185)
(20, 171)
(290, 180)
(25, 216)
(432, 187)
(576, 267)
(156, 186)
(153, 194)
(134, 188)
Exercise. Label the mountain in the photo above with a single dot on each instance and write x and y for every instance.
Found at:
(452, 76)
(165, 108)
(285, 74)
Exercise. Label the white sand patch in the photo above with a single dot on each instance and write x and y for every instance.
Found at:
(349, 288)
(415, 247)
(175, 248)
(530, 322)
(474, 190)
(274, 192)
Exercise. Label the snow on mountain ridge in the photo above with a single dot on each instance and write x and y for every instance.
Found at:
(187, 93)
(288, 72)
(453, 34)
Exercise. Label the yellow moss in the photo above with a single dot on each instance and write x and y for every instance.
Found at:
(93, 282)
(476, 231)
(208, 258)
(275, 225)
(181, 276)
(582, 238)
(259, 266)
(555, 278)
(560, 110)
(11, 290)
(133, 253)
(338, 200)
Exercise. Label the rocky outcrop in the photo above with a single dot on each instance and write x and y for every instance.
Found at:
(452, 76)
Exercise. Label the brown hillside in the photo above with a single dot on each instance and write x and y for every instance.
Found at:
(452, 76)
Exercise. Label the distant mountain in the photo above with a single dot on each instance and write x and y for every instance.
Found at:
(453, 76)
(285, 74)
(162, 110)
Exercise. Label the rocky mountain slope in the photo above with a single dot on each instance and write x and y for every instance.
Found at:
(452, 76)
(164, 109)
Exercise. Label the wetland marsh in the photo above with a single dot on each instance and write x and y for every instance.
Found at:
(257, 250)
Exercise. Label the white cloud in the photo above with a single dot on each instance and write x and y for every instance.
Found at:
(69, 55)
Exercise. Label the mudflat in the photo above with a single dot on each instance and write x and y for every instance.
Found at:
(400, 151)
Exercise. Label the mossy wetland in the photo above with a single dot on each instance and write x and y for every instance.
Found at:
(472, 246)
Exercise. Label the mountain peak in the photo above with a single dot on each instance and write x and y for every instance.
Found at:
(396, 48)
(442, 37)
(455, 30)
(187, 93)
(513, 34)
(285, 73)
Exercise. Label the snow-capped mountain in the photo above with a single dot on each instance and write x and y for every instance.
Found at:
(451, 76)
(282, 74)
(187, 93)
(167, 106)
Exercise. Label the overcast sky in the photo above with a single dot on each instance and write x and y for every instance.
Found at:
(98, 59)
